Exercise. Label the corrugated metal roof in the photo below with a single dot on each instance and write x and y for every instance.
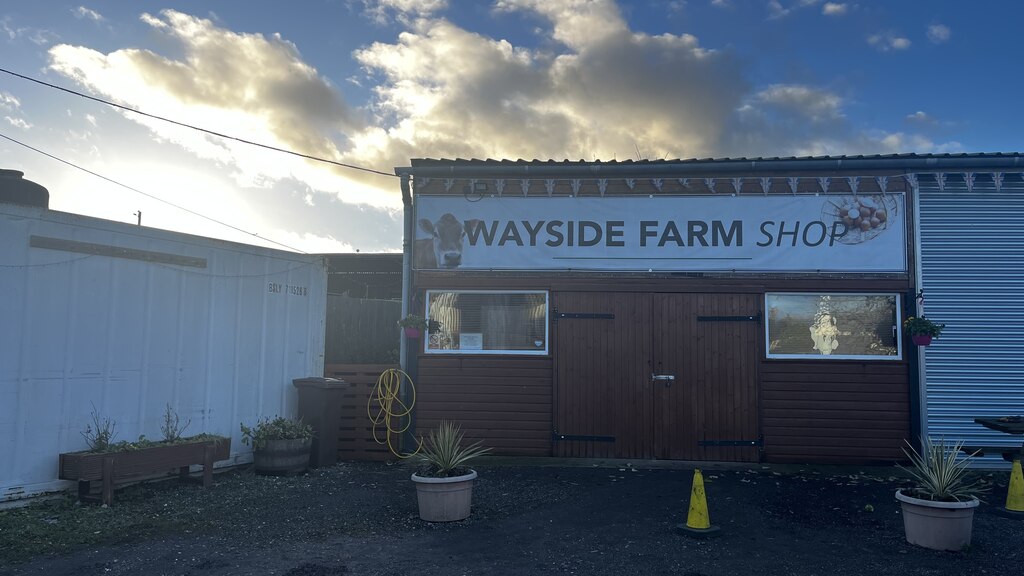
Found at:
(891, 163)
(418, 162)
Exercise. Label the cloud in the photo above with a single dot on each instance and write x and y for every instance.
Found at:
(311, 243)
(247, 85)
(83, 13)
(676, 6)
(899, 142)
(37, 36)
(776, 10)
(9, 101)
(380, 11)
(721, 3)
(17, 123)
(888, 40)
(939, 33)
(920, 117)
(455, 93)
(810, 103)
(596, 89)
(834, 9)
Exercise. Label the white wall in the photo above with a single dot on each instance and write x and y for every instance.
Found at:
(130, 336)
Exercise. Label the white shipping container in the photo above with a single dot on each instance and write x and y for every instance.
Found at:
(129, 319)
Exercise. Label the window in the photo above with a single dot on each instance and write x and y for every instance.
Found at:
(833, 326)
(486, 322)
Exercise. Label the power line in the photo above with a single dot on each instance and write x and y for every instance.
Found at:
(112, 181)
(175, 122)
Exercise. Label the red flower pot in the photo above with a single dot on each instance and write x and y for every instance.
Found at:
(411, 332)
(921, 339)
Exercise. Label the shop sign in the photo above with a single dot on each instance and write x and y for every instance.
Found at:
(799, 233)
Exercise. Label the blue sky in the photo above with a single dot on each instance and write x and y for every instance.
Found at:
(377, 82)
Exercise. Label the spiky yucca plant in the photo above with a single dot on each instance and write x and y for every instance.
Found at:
(443, 455)
(941, 473)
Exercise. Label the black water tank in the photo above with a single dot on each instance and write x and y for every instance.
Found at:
(16, 190)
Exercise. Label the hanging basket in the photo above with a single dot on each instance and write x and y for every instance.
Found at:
(412, 332)
(921, 339)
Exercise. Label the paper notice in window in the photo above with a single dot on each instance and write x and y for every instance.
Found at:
(471, 341)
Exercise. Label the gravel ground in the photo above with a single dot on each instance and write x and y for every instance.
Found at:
(360, 519)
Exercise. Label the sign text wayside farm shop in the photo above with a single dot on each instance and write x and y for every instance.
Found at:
(828, 233)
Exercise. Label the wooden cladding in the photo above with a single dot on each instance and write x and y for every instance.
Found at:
(835, 411)
(503, 401)
(595, 395)
(355, 431)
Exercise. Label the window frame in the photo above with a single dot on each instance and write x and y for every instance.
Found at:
(836, 357)
(547, 324)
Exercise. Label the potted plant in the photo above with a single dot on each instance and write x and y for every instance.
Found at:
(938, 512)
(281, 446)
(114, 462)
(413, 325)
(921, 330)
(444, 484)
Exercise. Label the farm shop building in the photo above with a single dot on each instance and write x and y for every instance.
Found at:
(729, 310)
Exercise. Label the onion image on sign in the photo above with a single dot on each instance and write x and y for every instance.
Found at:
(865, 216)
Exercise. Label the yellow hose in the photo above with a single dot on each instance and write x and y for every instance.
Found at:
(390, 408)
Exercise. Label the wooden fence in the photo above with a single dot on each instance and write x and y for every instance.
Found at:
(362, 331)
(355, 433)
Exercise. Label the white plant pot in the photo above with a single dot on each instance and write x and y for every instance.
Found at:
(444, 499)
(937, 525)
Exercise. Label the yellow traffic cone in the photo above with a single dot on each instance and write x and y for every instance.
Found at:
(698, 522)
(1015, 493)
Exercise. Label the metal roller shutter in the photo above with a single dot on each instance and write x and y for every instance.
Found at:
(972, 274)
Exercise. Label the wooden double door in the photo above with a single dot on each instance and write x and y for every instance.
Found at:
(656, 375)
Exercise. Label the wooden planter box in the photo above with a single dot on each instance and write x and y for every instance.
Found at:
(113, 467)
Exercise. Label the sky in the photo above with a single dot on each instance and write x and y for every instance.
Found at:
(375, 83)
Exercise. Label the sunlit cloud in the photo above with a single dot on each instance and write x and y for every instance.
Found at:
(245, 85)
(442, 91)
(456, 93)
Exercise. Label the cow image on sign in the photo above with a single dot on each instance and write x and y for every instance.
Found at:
(444, 248)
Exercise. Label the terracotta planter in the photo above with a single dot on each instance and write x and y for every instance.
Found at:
(282, 457)
(937, 525)
(444, 499)
(921, 339)
(115, 467)
(411, 332)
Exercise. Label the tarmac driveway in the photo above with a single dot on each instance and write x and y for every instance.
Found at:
(360, 519)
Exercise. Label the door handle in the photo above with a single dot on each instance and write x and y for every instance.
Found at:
(666, 378)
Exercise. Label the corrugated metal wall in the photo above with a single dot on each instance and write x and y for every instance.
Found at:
(220, 343)
(972, 273)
